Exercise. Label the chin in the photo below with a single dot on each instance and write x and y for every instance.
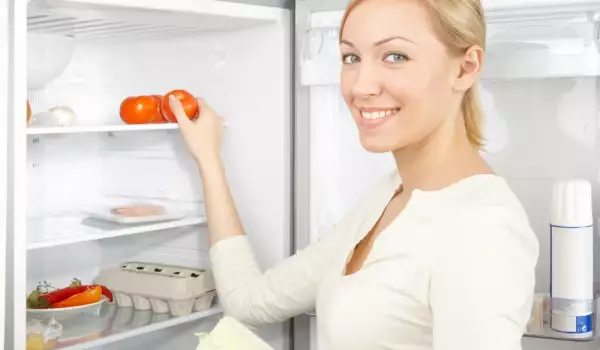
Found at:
(376, 145)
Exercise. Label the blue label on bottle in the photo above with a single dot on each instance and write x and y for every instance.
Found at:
(583, 324)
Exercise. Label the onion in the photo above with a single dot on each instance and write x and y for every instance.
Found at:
(64, 116)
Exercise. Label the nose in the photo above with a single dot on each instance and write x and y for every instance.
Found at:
(367, 84)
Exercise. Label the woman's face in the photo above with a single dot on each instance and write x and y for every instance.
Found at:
(398, 79)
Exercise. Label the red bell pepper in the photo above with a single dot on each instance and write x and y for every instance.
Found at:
(59, 295)
(62, 294)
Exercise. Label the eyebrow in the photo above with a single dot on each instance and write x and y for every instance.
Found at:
(380, 42)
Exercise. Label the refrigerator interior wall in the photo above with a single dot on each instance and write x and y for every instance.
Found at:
(539, 131)
(238, 62)
(539, 91)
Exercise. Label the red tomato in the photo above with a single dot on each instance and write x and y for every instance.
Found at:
(141, 110)
(159, 101)
(188, 101)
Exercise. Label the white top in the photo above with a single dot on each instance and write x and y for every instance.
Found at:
(455, 270)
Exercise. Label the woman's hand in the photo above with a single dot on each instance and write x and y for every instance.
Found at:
(203, 136)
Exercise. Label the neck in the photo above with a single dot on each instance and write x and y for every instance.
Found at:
(439, 161)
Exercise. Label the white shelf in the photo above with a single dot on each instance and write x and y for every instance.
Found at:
(78, 129)
(94, 19)
(527, 39)
(82, 129)
(54, 232)
(498, 11)
(116, 324)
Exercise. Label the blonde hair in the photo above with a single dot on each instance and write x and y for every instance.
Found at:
(460, 25)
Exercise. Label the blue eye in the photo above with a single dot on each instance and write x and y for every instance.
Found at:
(395, 57)
(350, 59)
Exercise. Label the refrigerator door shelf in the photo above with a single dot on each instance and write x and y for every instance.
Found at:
(526, 40)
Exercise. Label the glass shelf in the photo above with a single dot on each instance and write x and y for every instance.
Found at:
(63, 230)
(113, 323)
(548, 333)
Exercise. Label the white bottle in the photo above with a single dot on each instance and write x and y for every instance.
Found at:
(572, 255)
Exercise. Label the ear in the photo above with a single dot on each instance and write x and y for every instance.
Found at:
(470, 67)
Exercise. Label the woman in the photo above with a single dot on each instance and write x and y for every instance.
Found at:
(444, 259)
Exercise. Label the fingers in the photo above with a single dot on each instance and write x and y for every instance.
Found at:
(204, 108)
(177, 109)
(201, 102)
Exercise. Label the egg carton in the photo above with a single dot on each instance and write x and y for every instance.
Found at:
(161, 288)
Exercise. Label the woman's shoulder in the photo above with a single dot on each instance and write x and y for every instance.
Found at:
(484, 198)
(490, 197)
(486, 194)
(485, 209)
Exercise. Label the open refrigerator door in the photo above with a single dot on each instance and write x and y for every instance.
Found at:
(539, 90)
(4, 113)
(106, 229)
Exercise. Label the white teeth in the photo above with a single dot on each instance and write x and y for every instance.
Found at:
(379, 114)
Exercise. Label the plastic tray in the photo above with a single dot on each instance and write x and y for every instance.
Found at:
(65, 312)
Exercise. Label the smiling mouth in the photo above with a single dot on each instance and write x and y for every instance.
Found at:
(378, 114)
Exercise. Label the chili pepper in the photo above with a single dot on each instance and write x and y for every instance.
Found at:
(107, 293)
(87, 297)
(61, 294)
(56, 296)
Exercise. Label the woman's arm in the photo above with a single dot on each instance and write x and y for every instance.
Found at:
(221, 213)
(247, 293)
(203, 137)
(282, 292)
(482, 282)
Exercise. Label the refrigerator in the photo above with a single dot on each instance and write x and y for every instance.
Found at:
(291, 151)
(539, 91)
